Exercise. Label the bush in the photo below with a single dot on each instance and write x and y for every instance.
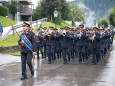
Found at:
(4, 11)
(112, 16)
(103, 22)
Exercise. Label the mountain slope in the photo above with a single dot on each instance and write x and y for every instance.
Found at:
(100, 7)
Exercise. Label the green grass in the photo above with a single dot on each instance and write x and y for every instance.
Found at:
(5, 21)
(63, 24)
(10, 41)
(48, 24)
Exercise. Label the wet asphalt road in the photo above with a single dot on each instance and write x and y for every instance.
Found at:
(57, 74)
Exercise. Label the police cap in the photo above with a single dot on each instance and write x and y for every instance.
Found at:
(81, 25)
(26, 24)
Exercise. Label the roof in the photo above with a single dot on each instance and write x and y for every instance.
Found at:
(28, 2)
(3, 2)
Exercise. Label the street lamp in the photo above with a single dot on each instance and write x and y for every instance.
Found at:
(55, 15)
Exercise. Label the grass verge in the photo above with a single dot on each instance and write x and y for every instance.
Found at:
(5, 21)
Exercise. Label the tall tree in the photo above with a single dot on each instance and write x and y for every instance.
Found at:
(112, 16)
(48, 7)
(65, 10)
(13, 8)
(76, 14)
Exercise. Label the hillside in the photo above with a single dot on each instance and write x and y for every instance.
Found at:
(100, 7)
(5, 21)
(13, 40)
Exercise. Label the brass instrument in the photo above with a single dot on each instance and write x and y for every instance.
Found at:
(64, 34)
(93, 37)
(49, 34)
(79, 34)
(37, 39)
(102, 33)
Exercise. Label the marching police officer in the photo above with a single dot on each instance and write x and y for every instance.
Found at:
(49, 46)
(26, 53)
(40, 44)
(96, 46)
(81, 41)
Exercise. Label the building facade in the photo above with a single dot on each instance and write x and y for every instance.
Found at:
(25, 10)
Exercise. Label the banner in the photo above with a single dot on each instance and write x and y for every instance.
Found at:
(26, 42)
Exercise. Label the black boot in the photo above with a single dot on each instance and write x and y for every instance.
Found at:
(32, 73)
(23, 78)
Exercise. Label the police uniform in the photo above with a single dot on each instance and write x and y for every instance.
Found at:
(49, 47)
(40, 44)
(26, 53)
(81, 46)
(96, 48)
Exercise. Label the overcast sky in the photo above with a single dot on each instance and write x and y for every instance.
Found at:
(35, 1)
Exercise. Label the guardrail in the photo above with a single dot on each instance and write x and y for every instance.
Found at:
(32, 23)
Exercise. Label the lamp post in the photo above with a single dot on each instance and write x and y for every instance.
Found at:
(55, 16)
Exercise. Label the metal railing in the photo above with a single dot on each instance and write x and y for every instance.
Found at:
(32, 23)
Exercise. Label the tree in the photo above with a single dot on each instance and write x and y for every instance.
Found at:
(48, 7)
(75, 13)
(112, 16)
(103, 22)
(65, 10)
(37, 13)
(13, 8)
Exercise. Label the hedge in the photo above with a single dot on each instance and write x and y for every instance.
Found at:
(3, 11)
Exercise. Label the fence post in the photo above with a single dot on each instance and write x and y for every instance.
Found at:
(13, 31)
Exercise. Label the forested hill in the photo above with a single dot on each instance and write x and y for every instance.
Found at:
(100, 7)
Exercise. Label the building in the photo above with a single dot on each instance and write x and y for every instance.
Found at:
(3, 2)
(25, 10)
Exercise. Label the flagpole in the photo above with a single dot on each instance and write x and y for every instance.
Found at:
(12, 26)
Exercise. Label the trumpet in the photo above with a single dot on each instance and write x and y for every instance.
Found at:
(93, 37)
(80, 34)
(49, 34)
(64, 34)
(102, 33)
(37, 39)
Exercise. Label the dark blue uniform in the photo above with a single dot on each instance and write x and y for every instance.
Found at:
(50, 47)
(96, 48)
(26, 54)
(40, 45)
(57, 45)
(81, 41)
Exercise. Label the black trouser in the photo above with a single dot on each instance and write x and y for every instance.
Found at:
(50, 53)
(76, 51)
(81, 53)
(44, 52)
(39, 49)
(96, 55)
(64, 55)
(26, 58)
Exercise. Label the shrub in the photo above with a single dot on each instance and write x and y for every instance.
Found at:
(4, 11)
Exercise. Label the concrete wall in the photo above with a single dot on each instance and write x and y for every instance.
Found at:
(10, 48)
